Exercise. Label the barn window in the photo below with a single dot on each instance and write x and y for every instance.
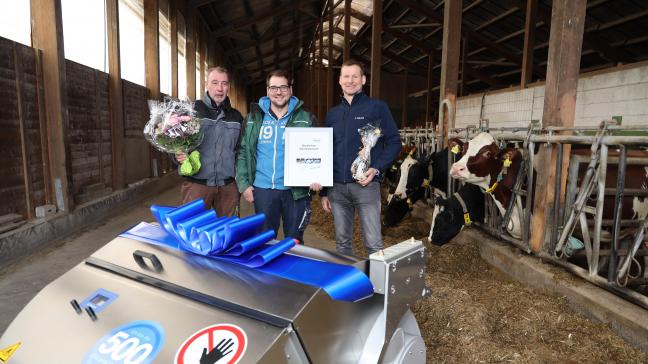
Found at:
(15, 23)
(131, 40)
(182, 59)
(199, 90)
(84, 32)
(165, 47)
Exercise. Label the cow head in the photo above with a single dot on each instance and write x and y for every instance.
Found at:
(448, 215)
(445, 225)
(412, 175)
(480, 164)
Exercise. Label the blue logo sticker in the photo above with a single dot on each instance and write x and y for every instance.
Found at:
(99, 300)
(135, 343)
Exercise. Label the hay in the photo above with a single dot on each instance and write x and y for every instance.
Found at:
(477, 314)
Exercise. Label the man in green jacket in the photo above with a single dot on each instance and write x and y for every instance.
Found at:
(260, 163)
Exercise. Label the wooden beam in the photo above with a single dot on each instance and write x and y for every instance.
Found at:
(329, 70)
(529, 42)
(47, 35)
(428, 97)
(191, 53)
(173, 20)
(565, 44)
(115, 95)
(268, 54)
(391, 55)
(356, 14)
(450, 62)
(152, 48)
(347, 30)
(429, 50)
(464, 65)
(321, 102)
(25, 157)
(471, 34)
(376, 42)
(270, 36)
(404, 121)
(260, 16)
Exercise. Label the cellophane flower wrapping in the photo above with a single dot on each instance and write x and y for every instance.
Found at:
(369, 135)
(173, 127)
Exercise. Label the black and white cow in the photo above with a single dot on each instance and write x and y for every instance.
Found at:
(460, 209)
(415, 178)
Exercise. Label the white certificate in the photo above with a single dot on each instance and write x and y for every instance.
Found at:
(308, 156)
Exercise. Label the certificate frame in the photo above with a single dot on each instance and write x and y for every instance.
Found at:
(308, 156)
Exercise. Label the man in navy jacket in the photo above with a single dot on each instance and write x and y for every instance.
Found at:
(355, 111)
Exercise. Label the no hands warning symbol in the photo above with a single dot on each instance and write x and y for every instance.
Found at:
(222, 343)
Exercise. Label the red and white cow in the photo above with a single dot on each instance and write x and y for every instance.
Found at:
(495, 171)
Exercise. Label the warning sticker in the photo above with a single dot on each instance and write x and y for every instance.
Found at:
(8, 352)
(222, 343)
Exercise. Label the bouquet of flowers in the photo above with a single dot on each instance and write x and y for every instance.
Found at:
(369, 135)
(174, 128)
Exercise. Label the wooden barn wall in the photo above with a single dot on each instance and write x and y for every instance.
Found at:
(88, 134)
(600, 95)
(136, 148)
(20, 142)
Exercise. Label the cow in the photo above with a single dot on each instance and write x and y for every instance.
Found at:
(414, 180)
(495, 171)
(450, 215)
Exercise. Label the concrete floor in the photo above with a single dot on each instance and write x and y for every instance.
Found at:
(22, 280)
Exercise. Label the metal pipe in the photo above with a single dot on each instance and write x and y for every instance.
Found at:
(530, 194)
(504, 236)
(618, 203)
(625, 293)
(600, 198)
(557, 194)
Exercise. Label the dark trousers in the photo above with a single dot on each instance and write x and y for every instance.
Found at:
(223, 199)
(279, 205)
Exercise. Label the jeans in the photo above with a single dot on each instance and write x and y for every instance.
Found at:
(345, 198)
(280, 205)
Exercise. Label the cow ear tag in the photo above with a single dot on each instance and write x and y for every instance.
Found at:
(455, 149)
(507, 162)
(467, 219)
(426, 183)
(377, 131)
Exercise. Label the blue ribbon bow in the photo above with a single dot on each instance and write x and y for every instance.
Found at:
(194, 228)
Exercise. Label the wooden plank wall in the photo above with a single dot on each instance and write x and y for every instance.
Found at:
(23, 182)
(89, 138)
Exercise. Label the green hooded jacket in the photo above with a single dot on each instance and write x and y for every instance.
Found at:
(246, 162)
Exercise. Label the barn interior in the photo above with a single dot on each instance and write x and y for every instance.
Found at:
(564, 82)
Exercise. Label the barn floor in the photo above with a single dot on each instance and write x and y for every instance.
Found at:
(478, 314)
(475, 314)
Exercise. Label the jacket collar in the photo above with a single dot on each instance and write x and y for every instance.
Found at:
(225, 105)
(356, 98)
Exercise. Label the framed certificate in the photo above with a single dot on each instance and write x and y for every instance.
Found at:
(308, 156)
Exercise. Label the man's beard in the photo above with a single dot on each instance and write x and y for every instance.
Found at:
(278, 105)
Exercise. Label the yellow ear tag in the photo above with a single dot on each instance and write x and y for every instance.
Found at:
(467, 219)
(426, 183)
(409, 203)
(455, 149)
(507, 162)
(377, 131)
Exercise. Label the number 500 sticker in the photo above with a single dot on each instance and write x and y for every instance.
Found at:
(135, 343)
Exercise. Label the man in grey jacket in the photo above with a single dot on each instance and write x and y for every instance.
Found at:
(215, 181)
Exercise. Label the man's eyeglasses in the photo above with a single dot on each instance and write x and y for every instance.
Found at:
(282, 88)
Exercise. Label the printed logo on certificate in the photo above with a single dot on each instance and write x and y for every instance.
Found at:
(308, 156)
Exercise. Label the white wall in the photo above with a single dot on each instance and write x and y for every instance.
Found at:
(599, 96)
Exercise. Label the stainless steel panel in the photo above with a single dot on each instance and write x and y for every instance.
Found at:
(336, 331)
(237, 287)
(51, 331)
